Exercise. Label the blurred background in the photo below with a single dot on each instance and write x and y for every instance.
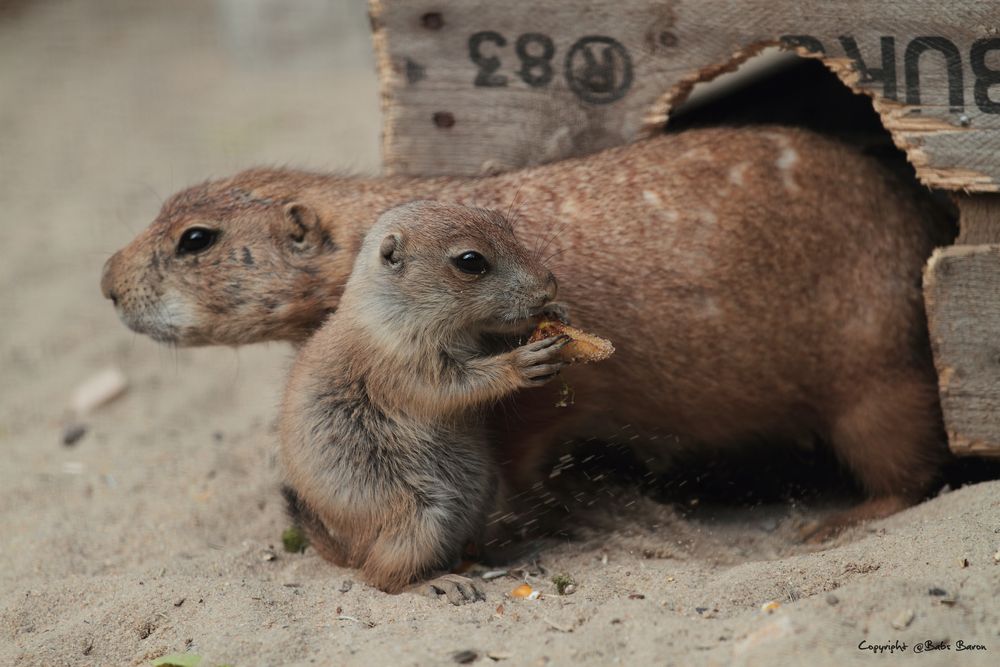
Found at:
(107, 108)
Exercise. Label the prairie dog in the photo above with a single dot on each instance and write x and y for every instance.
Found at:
(383, 440)
(760, 284)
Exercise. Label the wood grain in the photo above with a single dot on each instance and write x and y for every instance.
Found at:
(979, 219)
(552, 76)
(961, 285)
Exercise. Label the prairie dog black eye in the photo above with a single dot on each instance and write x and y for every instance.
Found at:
(471, 262)
(196, 239)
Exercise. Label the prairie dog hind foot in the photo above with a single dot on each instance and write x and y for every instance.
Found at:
(455, 588)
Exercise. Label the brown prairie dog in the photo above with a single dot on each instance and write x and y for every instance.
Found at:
(758, 284)
(383, 441)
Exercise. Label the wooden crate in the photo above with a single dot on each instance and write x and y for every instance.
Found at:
(477, 87)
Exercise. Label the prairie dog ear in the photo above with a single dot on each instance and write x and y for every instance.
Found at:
(391, 251)
(298, 228)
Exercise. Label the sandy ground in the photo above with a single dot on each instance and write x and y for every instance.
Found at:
(159, 531)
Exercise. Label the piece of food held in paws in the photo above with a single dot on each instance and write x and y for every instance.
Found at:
(582, 347)
(387, 462)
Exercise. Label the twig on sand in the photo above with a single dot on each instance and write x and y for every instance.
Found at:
(343, 617)
(560, 628)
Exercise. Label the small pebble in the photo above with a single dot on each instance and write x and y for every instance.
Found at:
(903, 620)
(774, 630)
(346, 585)
(465, 657)
(100, 389)
(938, 592)
(963, 562)
(73, 433)
(832, 599)
(565, 584)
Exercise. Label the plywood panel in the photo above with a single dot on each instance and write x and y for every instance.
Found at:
(961, 288)
(478, 86)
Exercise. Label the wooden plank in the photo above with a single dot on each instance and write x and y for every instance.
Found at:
(477, 86)
(979, 220)
(961, 284)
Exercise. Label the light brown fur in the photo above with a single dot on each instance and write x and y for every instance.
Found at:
(758, 284)
(386, 457)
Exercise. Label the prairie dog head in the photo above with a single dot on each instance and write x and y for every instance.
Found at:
(444, 268)
(229, 262)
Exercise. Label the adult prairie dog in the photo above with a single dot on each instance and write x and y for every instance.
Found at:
(761, 285)
(386, 457)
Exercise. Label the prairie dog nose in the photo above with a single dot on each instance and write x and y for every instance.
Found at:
(107, 287)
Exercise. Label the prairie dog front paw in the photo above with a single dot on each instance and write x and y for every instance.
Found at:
(537, 363)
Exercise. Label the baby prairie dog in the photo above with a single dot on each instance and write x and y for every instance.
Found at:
(384, 449)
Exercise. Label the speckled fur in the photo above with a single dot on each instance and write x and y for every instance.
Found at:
(758, 285)
(383, 444)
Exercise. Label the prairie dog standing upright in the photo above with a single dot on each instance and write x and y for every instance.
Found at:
(385, 452)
